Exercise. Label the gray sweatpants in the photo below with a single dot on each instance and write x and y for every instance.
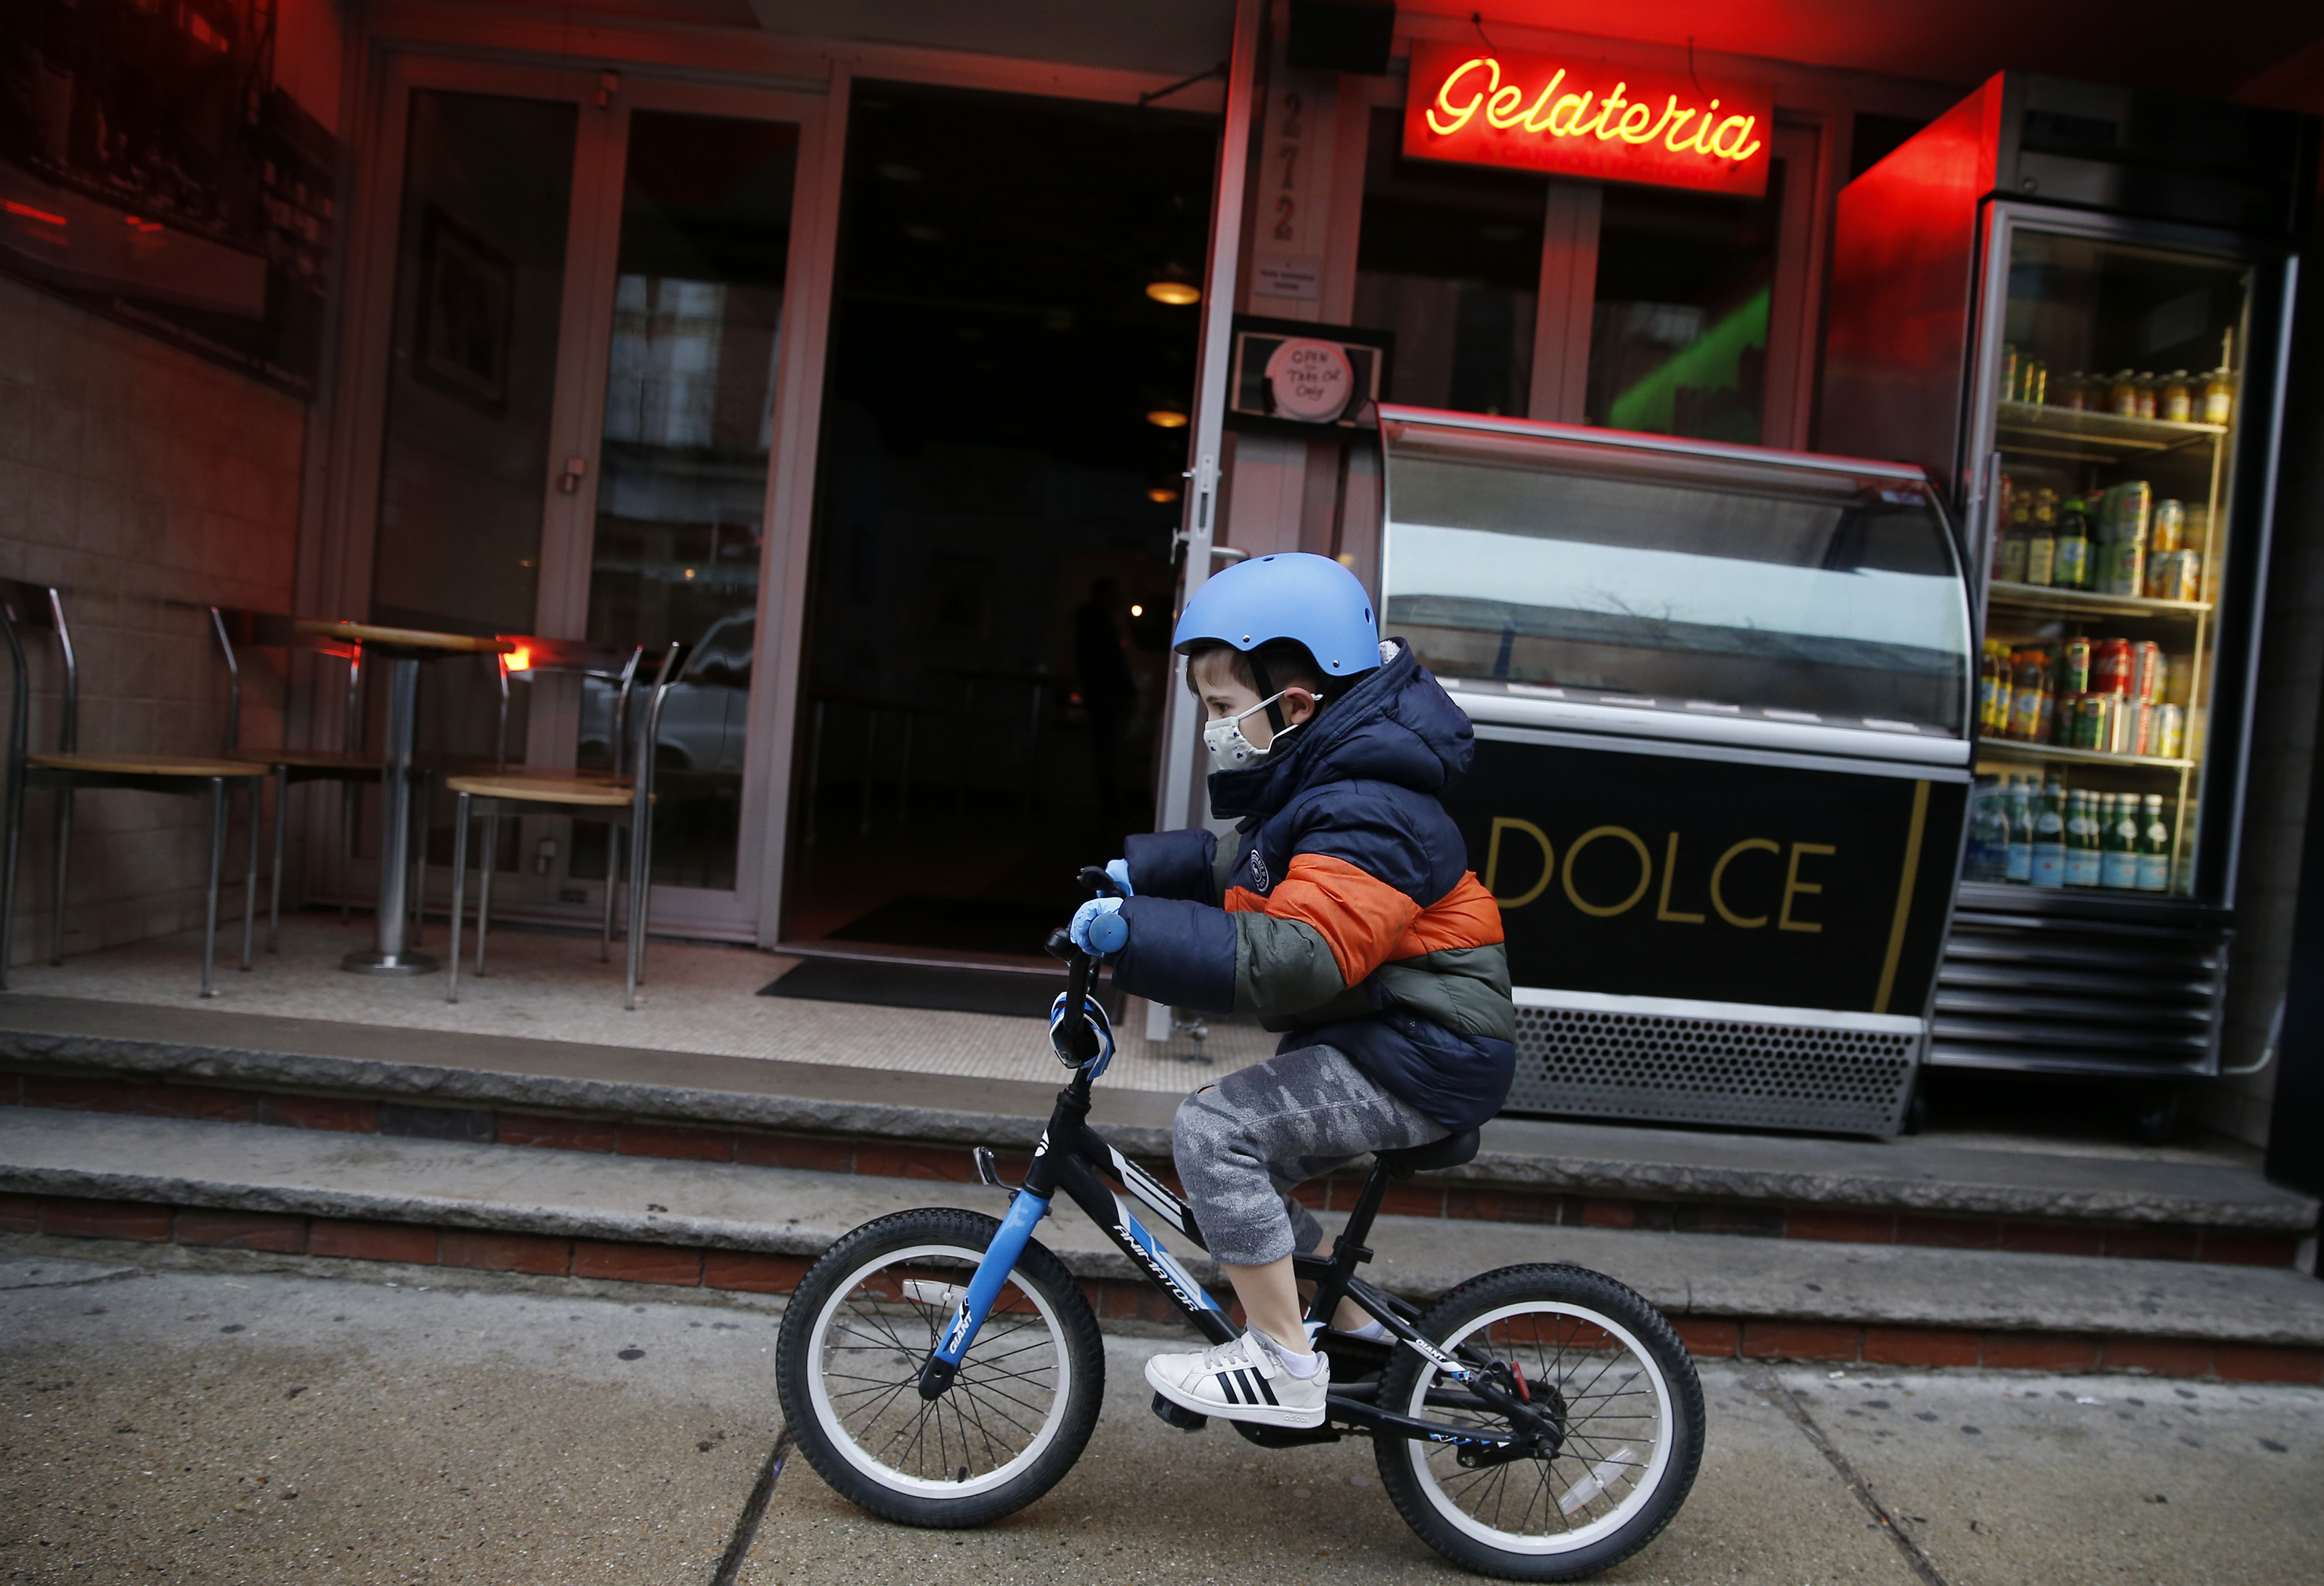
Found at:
(1242, 1143)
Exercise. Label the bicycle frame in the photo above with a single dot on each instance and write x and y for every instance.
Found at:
(1072, 1158)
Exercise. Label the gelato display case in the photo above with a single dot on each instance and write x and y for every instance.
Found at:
(1724, 700)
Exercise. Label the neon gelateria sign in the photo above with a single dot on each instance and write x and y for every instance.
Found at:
(1587, 118)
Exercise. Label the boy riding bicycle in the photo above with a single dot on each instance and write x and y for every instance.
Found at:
(1343, 914)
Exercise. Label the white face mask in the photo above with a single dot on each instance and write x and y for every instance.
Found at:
(1231, 751)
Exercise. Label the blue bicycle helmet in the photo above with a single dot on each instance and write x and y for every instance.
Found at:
(1293, 595)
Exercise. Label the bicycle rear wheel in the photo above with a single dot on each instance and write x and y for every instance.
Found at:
(1610, 1372)
(857, 1333)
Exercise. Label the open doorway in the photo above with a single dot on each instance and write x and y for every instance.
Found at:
(1011, 364)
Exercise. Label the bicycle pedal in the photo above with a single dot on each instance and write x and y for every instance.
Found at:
(1177, 1415)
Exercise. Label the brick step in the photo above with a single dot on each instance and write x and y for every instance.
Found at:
(316, 1075)
(658, 1220)
(885, 1155)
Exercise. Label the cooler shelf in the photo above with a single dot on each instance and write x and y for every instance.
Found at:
(2083, 436)
(2011, 749)
(2075, 603)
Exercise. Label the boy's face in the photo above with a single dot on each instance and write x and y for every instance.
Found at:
(1222, 696)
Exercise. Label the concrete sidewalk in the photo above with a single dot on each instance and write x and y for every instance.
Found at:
(254, 1428)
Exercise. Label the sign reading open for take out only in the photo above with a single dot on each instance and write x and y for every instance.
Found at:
(1587, 118)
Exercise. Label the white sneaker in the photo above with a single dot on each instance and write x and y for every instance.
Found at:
(1243, 1381)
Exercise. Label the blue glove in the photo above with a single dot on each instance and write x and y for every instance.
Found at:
(1118, 869)
(1099, 928)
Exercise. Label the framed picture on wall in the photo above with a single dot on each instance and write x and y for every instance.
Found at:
(465, 314)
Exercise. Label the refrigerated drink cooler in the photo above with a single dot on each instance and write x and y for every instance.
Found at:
(2070, 305)
(1721, 697)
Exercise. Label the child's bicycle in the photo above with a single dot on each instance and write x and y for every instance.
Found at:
(942, 1368)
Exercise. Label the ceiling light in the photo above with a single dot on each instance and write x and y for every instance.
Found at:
(1178, 294)
(1137, 611)
(1162, 494)
(1167, 419)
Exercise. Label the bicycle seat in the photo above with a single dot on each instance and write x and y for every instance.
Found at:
(1451, 1151)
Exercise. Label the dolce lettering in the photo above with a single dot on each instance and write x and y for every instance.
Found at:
(1735, 880)
(1620, 123)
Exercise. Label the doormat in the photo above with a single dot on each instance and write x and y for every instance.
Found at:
(975, 924)
(946, 989)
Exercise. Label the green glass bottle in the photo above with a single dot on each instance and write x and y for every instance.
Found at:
(2153, 847)
(2070, 566)
(2049, 837)
(2118, 842)
(2081, 841)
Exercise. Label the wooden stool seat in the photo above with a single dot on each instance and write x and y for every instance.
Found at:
(575, 789)
(144, 765)
(316, 759)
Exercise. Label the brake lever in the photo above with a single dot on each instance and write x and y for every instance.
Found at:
(1099, 884)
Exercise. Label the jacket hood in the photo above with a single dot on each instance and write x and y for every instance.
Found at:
(1397, 725)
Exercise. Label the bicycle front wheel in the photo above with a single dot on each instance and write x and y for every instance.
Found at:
(860, 1328)
(1614, 1381)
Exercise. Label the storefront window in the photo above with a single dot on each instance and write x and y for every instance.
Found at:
(1678, 338)
(689, 419)
(479, 288)
(1449, 260)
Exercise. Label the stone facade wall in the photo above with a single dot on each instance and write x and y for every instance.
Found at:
(147, 485)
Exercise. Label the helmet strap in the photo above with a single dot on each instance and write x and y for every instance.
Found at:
(1265, 686)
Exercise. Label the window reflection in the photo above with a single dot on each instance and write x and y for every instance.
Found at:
(1678, 337)
(689, 430)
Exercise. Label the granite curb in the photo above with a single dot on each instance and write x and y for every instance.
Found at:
(798, 1213)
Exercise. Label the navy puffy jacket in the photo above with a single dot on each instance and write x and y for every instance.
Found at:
(1344, 913)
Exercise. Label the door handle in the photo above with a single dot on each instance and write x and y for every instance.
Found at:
(576, 470)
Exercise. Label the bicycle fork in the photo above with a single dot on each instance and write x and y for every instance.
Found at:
(1025, 1211)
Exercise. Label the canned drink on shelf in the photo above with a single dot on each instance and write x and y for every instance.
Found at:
(2094, 720)
(2178, 679)
(2122, 567)
(2121, 727)
(2110, 666)
(2074, 667)
(2146, 672)
(2168, 738)
(2168, 531)
(2178, 576)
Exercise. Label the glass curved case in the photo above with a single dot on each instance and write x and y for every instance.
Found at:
(1599, 567)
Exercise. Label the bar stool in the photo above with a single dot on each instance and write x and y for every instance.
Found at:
(623, 801)
(348, 766)
(68, 769)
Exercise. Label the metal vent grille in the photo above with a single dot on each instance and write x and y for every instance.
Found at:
(2079, 996)
(1665, 1068)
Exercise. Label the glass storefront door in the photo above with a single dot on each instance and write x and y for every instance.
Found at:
(579, 436)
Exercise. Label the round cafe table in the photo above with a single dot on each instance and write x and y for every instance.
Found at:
(403, 649)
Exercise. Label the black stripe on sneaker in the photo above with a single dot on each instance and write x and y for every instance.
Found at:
(1268, 1392)
(1253, 1385)
(1226, 1387)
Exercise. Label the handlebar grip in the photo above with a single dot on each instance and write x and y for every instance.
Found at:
(1109, 933)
